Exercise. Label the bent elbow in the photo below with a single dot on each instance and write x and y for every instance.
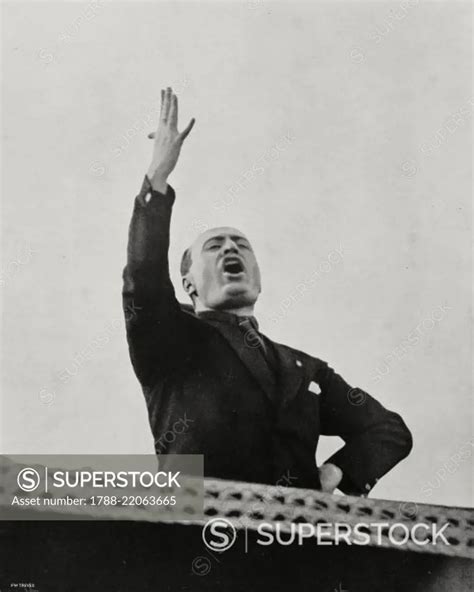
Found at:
(405, 438)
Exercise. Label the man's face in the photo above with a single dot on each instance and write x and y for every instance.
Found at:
(224, 273)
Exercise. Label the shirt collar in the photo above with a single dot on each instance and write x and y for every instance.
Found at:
(230, 318)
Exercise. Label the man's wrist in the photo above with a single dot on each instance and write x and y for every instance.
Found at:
(157, 181)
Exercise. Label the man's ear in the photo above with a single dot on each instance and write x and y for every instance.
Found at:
(189, 287)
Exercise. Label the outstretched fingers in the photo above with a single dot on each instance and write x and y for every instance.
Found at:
(169, 114)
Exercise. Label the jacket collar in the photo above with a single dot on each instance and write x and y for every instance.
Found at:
(229, 328)
(289, 372)
(226, 317)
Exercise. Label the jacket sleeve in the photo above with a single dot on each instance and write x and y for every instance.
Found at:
(376, 439)
(155, 323)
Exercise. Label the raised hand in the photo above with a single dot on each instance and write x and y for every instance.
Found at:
(167, 141)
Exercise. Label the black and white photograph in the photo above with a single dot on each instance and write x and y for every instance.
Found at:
(236, 295)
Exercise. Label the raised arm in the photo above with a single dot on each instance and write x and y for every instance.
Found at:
(154, 320)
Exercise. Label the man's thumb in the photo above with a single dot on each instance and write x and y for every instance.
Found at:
(330, 477)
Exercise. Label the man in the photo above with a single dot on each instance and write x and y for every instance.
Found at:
(213, 384)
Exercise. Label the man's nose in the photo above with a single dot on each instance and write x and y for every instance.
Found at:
(230, 247)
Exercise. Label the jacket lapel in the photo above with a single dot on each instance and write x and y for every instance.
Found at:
(250, 357)
(290, 373)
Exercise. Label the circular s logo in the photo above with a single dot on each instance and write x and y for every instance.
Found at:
(219, 535)
(28, 479)
(201, 566)
(356, 396)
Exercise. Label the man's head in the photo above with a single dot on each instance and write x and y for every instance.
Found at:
(220, 271)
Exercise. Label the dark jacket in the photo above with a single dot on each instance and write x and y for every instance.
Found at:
(205, 396)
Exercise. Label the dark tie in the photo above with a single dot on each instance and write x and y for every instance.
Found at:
(252, 337)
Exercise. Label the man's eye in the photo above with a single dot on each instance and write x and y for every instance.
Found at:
(213, 247)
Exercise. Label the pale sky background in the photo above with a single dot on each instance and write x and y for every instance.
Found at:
(340, 104)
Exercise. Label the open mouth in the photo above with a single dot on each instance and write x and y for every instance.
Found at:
(233, 266)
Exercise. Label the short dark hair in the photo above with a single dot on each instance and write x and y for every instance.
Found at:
(186, 262)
